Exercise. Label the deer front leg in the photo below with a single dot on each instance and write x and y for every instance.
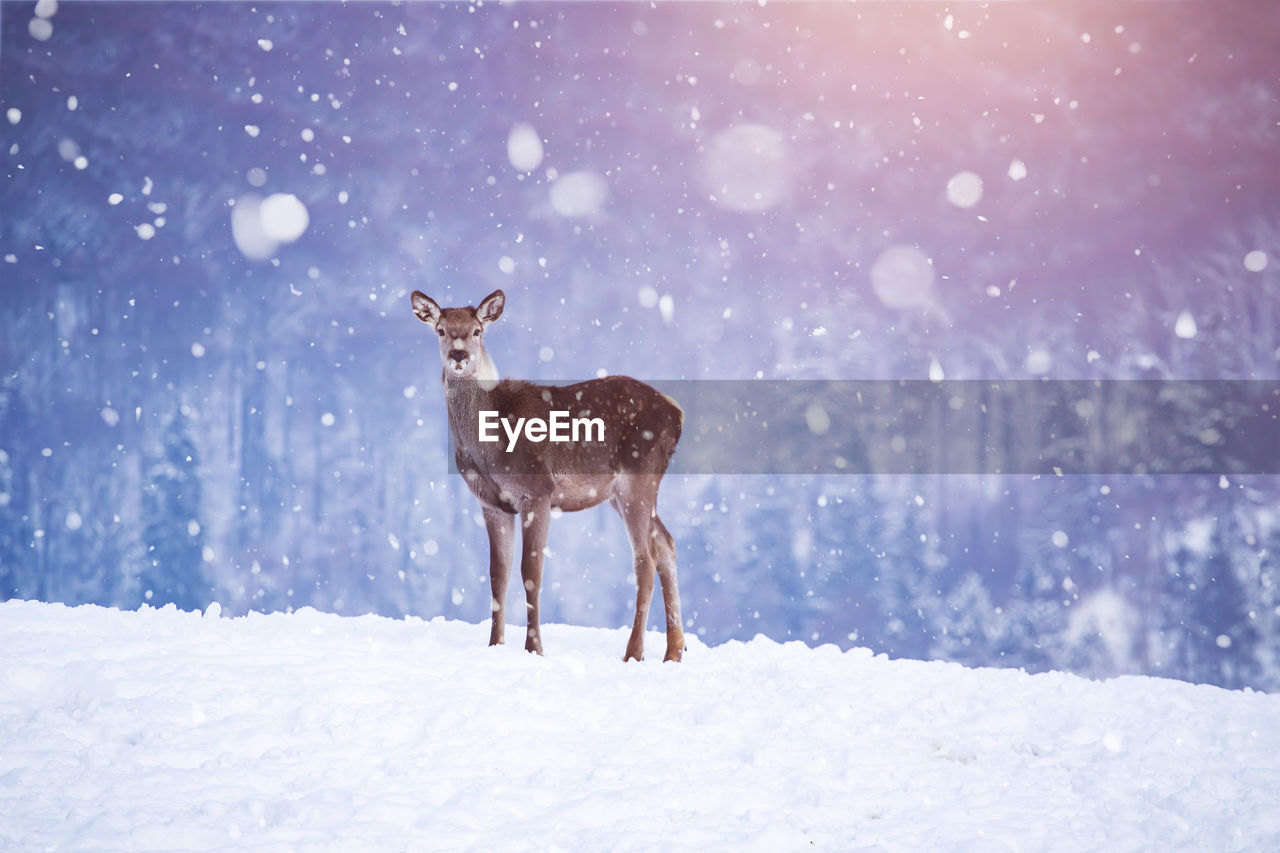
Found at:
(501, 529)
(535, 517)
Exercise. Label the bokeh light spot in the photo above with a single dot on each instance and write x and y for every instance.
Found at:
(524, 147)
(579, 194)
(902, 277)
(747, 168)
(965, 189)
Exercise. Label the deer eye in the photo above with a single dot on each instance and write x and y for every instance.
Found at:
(440, 332)
(476, 333)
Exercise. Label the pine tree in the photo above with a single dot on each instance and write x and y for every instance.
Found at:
(173, 535)
(847, 548)
(905, 574)
(1210, 633)
(1222, 636)
(13, 532)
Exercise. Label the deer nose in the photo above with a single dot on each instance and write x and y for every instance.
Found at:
(458, 355)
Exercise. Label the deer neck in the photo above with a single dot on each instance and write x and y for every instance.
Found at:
(486, 371)
(464, 398)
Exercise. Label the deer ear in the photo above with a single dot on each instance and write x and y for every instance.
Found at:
(491, 307)
(425, 307)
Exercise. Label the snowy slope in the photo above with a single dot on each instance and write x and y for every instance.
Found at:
(170, 730)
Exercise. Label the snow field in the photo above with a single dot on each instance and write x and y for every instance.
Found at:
(160, 729)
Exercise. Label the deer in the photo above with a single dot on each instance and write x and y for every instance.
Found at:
(621, 463)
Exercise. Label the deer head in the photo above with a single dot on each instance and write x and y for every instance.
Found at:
(461, 334)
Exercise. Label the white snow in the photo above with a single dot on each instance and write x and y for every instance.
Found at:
(1255, 261)
(1108, 617)
(159, 729)
(579, 194)
(524, 147)
(260, 226)
(667, 308)
(284, 217)
(817, 418)
(902, 277)
(247, 229)
(964, 190)
(40, 29)
(1038, 362)
(747, 168)
(1185, 326)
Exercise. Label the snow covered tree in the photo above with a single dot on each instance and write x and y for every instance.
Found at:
(14, 534)
(174, 538)
(972, 630)
(905, 573)
(1218, 638)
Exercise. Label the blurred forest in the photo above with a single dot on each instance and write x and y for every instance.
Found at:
(212, 387)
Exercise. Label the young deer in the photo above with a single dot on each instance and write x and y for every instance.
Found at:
(531, 477)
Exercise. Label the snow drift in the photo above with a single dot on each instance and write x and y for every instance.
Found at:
(161, 729)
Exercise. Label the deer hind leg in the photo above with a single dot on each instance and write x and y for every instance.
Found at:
(637, 513)
(501, 529)
(664, 547)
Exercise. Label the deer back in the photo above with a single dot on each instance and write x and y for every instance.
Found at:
(641, 427)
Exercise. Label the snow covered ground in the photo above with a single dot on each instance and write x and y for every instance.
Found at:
(167, 730)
